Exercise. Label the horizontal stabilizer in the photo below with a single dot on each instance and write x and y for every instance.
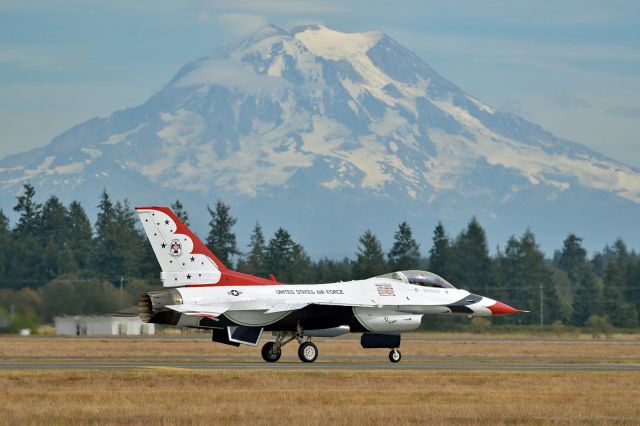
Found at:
(206, 311)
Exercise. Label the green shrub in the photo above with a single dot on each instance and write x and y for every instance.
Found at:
(598, 326)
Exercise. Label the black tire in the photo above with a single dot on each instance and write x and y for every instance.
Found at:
(307, 352)
(267, 354)
(395, 356)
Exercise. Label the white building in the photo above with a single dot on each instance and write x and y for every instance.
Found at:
(79, 325)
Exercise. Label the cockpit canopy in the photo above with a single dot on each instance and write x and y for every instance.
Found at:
(422, 278)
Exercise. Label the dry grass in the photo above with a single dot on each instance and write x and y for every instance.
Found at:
(418, 344)
(161, 395)
(335, 397)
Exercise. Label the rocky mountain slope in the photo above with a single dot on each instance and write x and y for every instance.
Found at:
(328, 134)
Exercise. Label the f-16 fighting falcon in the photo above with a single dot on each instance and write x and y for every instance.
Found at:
(201, 292)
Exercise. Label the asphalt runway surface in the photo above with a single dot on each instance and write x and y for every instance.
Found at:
(327, 363)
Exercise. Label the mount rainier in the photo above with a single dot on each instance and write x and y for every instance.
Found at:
(329, 134)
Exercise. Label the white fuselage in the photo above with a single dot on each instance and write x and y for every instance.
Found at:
(379, 304)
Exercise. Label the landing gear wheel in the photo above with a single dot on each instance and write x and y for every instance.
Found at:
(395, 356)
(308, 352)
(270, 355)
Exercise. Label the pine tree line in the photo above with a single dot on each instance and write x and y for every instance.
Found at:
(54, 261)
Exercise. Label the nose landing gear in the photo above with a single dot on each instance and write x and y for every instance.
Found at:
(395, 356)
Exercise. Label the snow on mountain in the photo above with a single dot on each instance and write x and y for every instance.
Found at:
(327, 134)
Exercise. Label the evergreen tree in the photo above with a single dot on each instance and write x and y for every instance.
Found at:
(129, 241)
(55, 235)
(585, 289)
(587, 298)
(405, 252)
(25, 258)
(633, 284)
(628, 263)
(119, 245)
(179, 210)
(53, 220)
(286, 259)
(598, 263)
(621, 313)
(5, 241)
(5, 231)
(106, 216)
(563, 291)
(256, 263)
(280, 253)
(221, 240)
(470, 261)
(524, 271)
(331, 271)
(105, 237)
(29, 211)
(299, 270)
(572, 257)
(81, 238)
(369, 257)
(439, 254)
(619, 250)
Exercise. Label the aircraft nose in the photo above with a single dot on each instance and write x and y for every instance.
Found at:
(500, 308)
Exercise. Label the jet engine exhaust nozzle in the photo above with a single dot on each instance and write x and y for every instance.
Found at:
(152, 302)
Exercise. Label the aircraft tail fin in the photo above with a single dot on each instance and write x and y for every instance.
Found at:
(183, 258)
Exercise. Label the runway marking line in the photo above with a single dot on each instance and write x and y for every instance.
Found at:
(163, 367)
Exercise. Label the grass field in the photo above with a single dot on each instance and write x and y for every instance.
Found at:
(159, 395)
(262, 397)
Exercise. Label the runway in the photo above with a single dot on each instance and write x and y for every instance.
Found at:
(327, 363)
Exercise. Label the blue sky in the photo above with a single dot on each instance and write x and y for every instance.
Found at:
(571, 66)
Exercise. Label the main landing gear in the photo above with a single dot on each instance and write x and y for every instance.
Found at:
(270, 352)
(307, 352)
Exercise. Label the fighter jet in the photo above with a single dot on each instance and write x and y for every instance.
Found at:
(201, 292)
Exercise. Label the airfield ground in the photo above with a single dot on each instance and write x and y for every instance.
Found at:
(443, 378)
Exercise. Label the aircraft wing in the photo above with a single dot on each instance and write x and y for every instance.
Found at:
(285, 307)
(206, 311)
(358, 305)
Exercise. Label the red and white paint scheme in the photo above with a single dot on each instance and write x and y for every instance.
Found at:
(202, 292)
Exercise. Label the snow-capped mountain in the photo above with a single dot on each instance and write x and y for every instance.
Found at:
(328, 134)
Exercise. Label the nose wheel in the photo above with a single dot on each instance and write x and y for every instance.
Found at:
(395, 356)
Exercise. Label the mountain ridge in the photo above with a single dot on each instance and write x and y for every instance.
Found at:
(311, 115)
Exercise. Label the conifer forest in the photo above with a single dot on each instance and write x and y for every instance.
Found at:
(55, 260)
